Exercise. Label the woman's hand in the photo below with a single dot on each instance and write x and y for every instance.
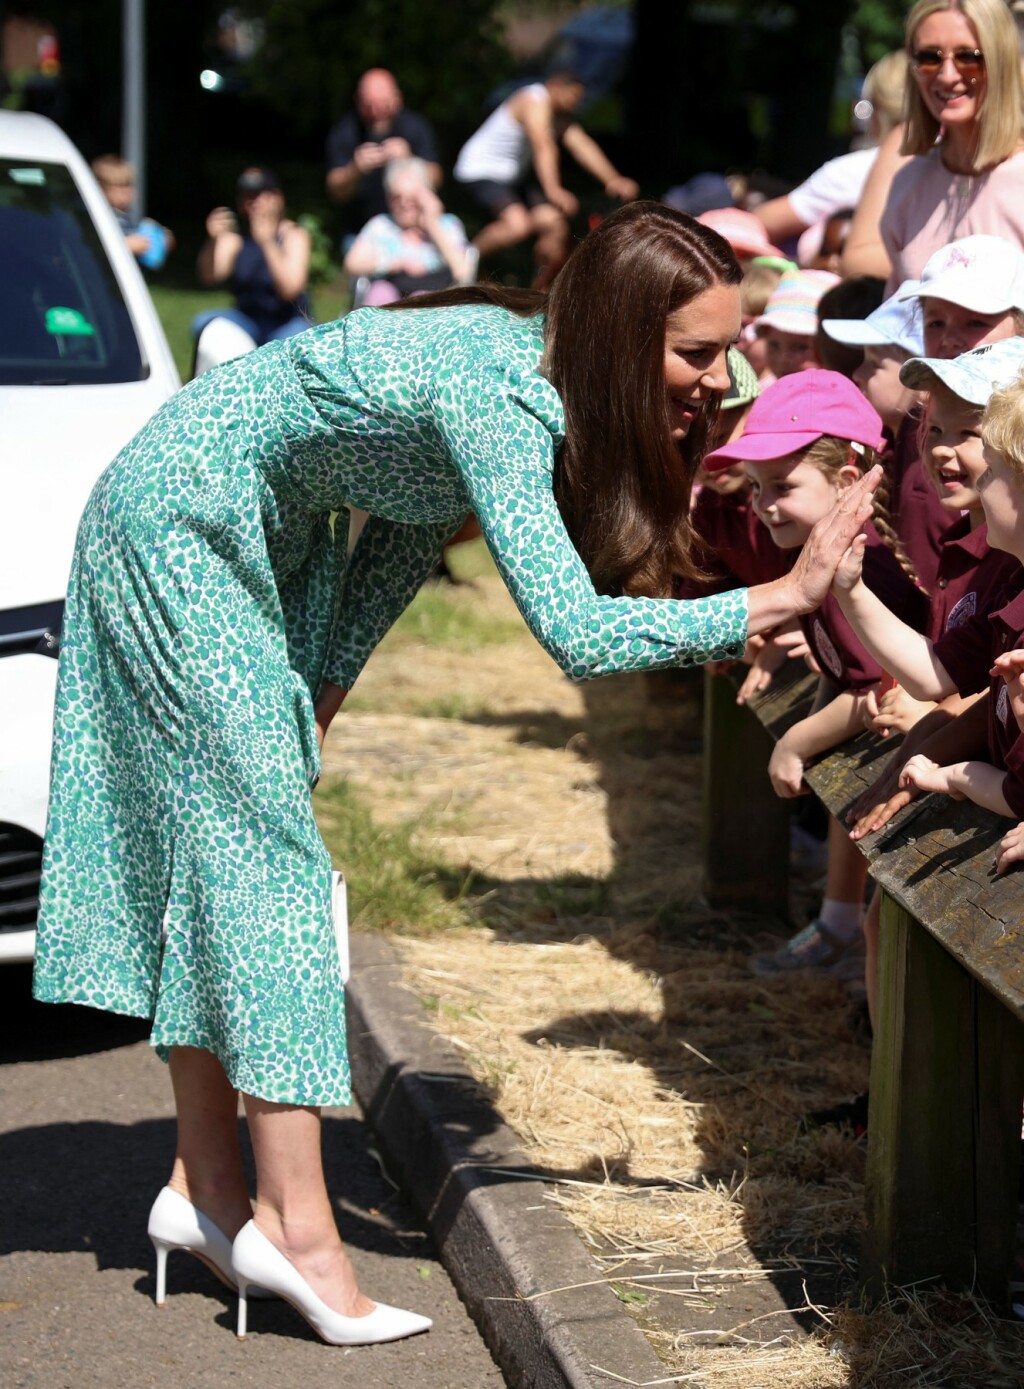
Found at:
(328, 702)
(220, 222)
(926, 775)
(786, 770)
(832, 543)
(1011, 849)
(265, 216)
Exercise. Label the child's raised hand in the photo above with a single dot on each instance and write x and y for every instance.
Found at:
(927, 775)
(786, 770)
(831, 540)
(850, 567)
(1011, 849)
(1010, 665)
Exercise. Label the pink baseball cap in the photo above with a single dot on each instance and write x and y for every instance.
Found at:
(744, 232)
(794, 412)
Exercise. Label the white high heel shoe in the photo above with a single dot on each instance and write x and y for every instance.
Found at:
(175, 1223)
(256, 1260)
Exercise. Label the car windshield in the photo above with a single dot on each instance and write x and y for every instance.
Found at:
(63, 320)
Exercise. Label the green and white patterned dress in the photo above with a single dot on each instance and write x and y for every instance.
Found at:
(184, 877)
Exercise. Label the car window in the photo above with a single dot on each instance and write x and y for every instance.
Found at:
(63, 319)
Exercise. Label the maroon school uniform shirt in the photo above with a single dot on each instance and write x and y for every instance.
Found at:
(964, 652)
(833, 641)
(971, 582)
(918, 517)
(734, 546)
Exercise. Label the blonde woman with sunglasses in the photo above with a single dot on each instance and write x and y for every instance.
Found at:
(959, 168)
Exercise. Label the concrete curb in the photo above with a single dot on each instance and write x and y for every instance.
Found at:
(500, 1241)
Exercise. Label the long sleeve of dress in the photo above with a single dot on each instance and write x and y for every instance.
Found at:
(498, 429)
(389, 564)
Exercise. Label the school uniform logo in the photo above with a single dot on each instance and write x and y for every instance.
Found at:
(1003, 706)
(828, 656)
(962, 612)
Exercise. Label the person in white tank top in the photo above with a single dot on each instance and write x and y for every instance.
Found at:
(495, 162)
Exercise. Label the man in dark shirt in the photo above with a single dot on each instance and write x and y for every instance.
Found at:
(367, 139)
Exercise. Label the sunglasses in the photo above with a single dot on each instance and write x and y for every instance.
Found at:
(969, 62)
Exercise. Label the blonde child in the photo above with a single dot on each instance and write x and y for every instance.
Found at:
(972, 577)
(808, 438)
(965, 657)
(149, 242)
(760, 279)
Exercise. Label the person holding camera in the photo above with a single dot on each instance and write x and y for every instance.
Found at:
(263, 256)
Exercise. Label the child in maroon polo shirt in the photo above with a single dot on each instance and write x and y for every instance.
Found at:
(957, 661)
(971, 294)
(971, 581)
(808, 437)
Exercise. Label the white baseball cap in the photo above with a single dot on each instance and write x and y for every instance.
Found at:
(972, 376)
(896, 323)
(983, 273)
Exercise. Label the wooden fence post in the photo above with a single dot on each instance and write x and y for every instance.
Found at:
(944, 1122)
(745, 825)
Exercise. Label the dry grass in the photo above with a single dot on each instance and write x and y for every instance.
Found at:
(654, 1082)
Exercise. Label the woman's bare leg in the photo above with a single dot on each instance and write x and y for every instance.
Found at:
(293, 1209)
(208, 1162)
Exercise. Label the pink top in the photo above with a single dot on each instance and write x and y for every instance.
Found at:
(929, 207)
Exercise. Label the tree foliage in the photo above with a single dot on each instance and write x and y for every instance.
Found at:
(879, 26)
(446, 57)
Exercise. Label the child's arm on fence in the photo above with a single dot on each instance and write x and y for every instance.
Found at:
(979, 782)
(956, 729)
(826, 728)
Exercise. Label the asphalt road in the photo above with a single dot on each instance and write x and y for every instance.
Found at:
(86, 1138)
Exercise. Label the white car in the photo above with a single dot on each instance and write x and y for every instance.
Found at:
(83, 364)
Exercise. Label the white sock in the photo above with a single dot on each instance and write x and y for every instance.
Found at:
(843, 919)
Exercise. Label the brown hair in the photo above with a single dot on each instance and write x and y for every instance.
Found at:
(621, 483)
(829, 454)
(1001, 116)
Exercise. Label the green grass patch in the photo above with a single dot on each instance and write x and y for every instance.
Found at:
(392, 885)
(448, 706)
(438, 616)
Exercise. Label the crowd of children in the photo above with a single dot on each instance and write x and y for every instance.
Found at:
(923, 633)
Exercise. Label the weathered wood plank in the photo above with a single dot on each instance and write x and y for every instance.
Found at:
(948, 1062)
(935, 858)
(920, 1182)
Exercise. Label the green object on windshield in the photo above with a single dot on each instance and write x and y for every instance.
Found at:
(69, 323)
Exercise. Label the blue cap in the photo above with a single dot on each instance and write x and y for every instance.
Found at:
(898, 322)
